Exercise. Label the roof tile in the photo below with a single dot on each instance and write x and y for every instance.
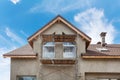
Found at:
(113, 50)
(22, 51)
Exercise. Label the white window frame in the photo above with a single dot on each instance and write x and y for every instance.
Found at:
(26, 77)
(47, 54)
(69, 44)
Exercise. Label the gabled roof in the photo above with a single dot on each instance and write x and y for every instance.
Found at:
(22, 52)
(113, 51)
(59, 19)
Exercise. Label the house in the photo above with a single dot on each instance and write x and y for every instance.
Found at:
(60, 51)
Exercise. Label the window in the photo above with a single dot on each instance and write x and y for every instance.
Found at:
(69, 50)
(26, 78)
(108, 79)
(104, 79)
(48, 50)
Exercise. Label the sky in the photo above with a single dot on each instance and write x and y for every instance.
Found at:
(19, 19)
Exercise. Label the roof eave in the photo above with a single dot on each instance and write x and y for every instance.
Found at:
(101, 57)
(20, 56)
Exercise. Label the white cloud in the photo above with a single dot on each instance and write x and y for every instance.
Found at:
(13, 36)
(4, 40)
(6, 45)
(60, 6)
(93, 22)
(4, 64)
(23, 33)
(15, 1)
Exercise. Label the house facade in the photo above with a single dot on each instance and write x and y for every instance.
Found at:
(60, 51)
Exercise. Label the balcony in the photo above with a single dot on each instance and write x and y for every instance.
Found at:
(50, 56)
(59, 49)
(58, 61)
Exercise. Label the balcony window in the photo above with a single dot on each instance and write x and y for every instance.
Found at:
(69, 50)
(48, 50)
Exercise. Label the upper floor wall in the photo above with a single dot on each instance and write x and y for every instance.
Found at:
(59, 28)
(58, 47)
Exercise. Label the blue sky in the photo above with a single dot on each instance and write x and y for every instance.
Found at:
(19, 19)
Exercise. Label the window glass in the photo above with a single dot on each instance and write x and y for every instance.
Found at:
(103, 79)
(27, 78)
(107, 78)
(68, 43)
(48, 50)
(69, 50)
(50, 44)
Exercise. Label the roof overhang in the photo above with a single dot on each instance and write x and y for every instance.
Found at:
(20, 56)
(102, 57)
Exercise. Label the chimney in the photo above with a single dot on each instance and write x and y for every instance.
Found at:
(103, 34)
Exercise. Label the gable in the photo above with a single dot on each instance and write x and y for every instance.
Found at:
(57, 21)
(59, 28)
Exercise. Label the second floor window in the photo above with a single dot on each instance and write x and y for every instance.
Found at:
(69, 50)
(48, 50)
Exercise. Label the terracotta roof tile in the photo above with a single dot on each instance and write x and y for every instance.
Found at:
(112, 50)
(22, 51)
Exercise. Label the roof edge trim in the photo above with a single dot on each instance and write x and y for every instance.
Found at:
(5, 56)
(102, 57)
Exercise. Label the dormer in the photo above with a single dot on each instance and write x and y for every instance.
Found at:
(59, 42)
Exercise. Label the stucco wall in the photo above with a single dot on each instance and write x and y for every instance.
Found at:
(58, 28)
(57, 72)
(59, 50)
(99, 76)
(99, 66)
(23, 67)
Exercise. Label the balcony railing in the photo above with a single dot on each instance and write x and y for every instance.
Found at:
(58, 38)
(58, 61)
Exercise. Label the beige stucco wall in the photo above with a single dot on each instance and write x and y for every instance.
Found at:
(57, 72)
(59, 50)
(99, 66)
(58, 28)
(23, 67)
(99, 76)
